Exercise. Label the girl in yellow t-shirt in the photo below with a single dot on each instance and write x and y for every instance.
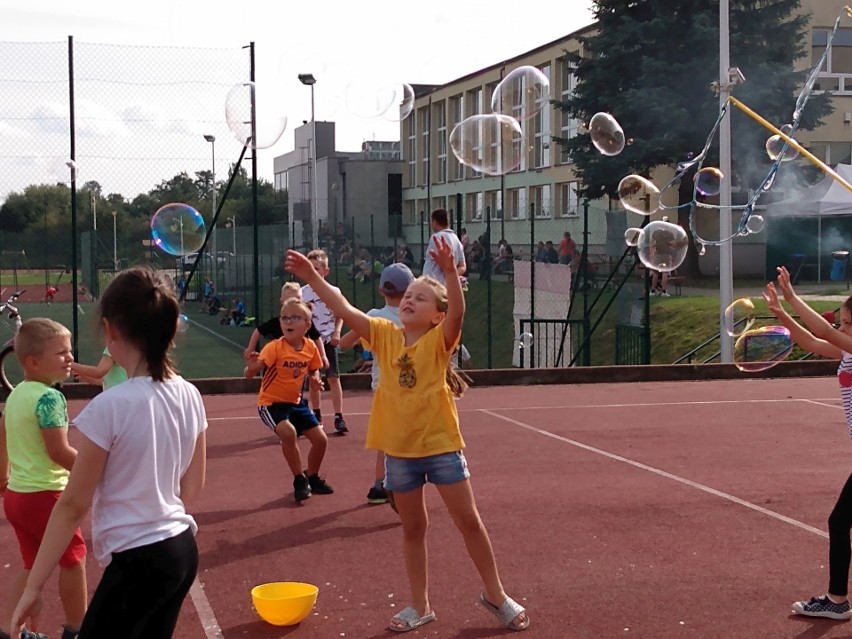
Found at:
(414, 421)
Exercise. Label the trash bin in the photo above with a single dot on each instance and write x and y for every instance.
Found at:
(839, 259)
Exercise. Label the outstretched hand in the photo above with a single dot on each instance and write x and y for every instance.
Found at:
(443, 255)
(298, 265)
(771, 297)
(784, 283)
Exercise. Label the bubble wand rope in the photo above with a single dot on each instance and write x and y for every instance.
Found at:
(790, 141)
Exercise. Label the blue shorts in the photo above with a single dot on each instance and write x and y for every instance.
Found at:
(300, 415)
(407, 473)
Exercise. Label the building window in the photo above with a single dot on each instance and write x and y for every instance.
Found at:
(438, 203)
(441, 120)
(494, 202)
(474, 208)
(836, 73)
(568, 126)
(410, 208)
(457, 112)
(839, 153)
(541, 127)
(424, 146)
(517, 203)
(568, 201)
(540, 198)
(476, 107)
(411, 153)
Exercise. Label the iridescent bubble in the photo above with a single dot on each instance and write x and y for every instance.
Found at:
(775, 148)
(178, 229)
(525, 340)
(755, 223)
(492, 144)
(522, 93)
(268, 124)
(402, 103)
(183, 323)
(739, 317)
(607, 134)
(633, 236)
(708, 181)
(663, 246)
(639, 195)
(762, 348)
(61, 170)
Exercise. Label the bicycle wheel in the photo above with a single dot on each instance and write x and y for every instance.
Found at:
(11, 373)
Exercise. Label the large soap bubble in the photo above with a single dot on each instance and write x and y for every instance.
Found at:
(662, 246)
(492, 144)
(522, 93)
(606, 133)
(178, 229)
(266, 127)
(638, 195)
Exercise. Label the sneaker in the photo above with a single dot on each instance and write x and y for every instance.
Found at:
(301, 488)
(654, 293)
(823, 607)
(340, 425)
(377, 496)
(664, 294)
(319, 486)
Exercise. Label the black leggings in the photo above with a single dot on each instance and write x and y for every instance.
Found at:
(839, 553)
(141, 591)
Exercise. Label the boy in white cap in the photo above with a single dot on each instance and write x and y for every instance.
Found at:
(393, 282)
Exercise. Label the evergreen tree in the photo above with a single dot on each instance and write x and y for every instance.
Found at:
(651, 64)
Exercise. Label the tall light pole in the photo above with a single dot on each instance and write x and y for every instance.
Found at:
(308, 79)
(726, 285)
(114, 245)
(212, 140)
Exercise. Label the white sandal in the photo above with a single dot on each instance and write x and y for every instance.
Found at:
(411, 619)
(507, 613)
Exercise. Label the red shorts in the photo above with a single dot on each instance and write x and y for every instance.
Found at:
(28, 513)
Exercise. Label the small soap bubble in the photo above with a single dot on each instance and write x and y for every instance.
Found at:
(755, 223)
(178, 229)
(708, 181)
(183, 323)
(607, 134)
(522, 93)
(739, 317)
(775, 148)
(525, 340)
(638, 195)
(633, 236)
(762, 348)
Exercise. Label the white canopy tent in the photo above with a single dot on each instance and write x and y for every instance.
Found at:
(827, 198)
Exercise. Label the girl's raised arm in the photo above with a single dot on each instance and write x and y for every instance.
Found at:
(301, 267)
(798, 333)
(452, 324)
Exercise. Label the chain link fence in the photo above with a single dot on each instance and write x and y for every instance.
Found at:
(129, 129)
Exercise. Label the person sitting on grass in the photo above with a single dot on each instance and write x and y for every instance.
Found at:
(281, 404)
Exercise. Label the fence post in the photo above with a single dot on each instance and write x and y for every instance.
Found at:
(587, 349)
(487, 271)
(532, 282)
(354, 262)
(422, 241)
(372, 257)
(74, 239)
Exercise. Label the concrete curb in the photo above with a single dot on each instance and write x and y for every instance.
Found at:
(539, 376)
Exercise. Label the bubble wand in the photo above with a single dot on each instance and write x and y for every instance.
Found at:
(791, 142)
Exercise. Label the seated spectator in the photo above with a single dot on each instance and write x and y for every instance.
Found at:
(505, 255)
(540, 252)
(214, 305)
(474, 259)
(550, 254)
(236, 314)
(406, 256)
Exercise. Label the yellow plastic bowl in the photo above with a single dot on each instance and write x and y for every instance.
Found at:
(284, 603)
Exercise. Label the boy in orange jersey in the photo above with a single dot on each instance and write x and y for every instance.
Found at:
(288, 361)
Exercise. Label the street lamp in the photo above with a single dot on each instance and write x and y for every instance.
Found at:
(231, 223)
(212, 140)
(308, 79)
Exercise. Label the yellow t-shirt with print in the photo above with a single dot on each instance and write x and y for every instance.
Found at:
(414, 412)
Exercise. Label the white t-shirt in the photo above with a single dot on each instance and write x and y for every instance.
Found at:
(149, 430)
(461, 356)
(323, 318)
(430, 267)
(389, 313)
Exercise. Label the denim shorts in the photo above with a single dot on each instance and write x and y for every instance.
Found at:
(407, 473)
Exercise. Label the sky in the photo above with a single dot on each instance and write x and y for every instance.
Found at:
(145, 103)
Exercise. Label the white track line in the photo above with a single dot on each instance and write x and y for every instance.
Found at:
(241, 347)
(662, 473)
(822, 403)
(205, 611)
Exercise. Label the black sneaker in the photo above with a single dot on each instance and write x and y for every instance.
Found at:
(67, 633)
(319, 486)
(823, 607)
(377, 496)
(301, 488)
(340, 425)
